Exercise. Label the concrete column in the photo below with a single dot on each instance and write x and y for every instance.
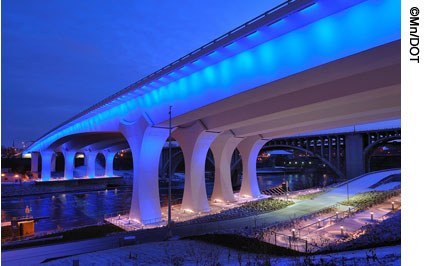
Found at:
(54, 162)
(195, 142)
(109, 163)
(34, 162)
(69, 164)
(330, 142)
(146, 144)
(91, 163)
(223, 148)
(354, 156)
(46, 163)
(338, 151)
(249, 149)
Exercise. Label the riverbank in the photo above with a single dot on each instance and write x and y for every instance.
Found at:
(194, 252)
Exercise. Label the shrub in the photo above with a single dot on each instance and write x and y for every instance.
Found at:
(362, 198)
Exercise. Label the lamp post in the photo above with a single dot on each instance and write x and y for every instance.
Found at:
(347, 191)
(169, 174)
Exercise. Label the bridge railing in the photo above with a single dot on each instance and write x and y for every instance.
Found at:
(269, 16)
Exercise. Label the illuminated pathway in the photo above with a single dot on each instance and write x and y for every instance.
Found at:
(38, 254)
(178, 214)
(301, 67)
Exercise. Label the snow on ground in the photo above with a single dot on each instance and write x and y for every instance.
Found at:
(191, 252)
(362, 184)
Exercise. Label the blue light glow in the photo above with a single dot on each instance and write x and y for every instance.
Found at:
(338, 35)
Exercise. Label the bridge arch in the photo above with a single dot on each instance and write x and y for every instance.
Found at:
(324, 160)
(101, 160)
(58, 162)
(177, 159)
(367, 154)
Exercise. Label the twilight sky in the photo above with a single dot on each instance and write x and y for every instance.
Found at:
(61, 57)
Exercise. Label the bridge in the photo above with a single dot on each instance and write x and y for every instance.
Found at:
(346, 153)
(301, 67)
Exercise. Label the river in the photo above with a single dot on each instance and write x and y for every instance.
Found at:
(68, 210)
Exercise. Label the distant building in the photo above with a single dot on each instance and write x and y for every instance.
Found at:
(8, 176)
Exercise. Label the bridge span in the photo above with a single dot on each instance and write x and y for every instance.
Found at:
(303, 66)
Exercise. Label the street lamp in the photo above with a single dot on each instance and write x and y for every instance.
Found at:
(347, 191)
(169, 174)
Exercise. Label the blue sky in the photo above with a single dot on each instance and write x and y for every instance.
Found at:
(60, 57)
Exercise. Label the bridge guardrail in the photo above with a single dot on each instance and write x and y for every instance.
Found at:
(203, 50)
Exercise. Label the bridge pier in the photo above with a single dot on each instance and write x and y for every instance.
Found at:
(91, 163)
(53, 167)
(222, 148)
(109, 156)
(34, 162)
(69, 164)
(146, 144)
(354, 155)
(46, 164)
(195, 142)
(249, 149)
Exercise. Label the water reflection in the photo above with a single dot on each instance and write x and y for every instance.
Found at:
(67, 210)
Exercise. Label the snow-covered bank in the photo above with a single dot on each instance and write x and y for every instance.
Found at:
(191, 252)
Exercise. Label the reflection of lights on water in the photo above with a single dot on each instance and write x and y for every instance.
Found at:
(53, 197)
(116, 190)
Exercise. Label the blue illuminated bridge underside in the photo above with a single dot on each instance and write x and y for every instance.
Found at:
(304, 66)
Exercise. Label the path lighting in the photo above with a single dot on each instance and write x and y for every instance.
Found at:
(293, 233)
(119, 217)
(342, 230)
(319, 222)
(393, 205)
(372, 216)
(337, 215)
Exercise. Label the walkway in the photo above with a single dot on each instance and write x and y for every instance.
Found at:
(322, 234)
(36, 255)
(178, 215)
